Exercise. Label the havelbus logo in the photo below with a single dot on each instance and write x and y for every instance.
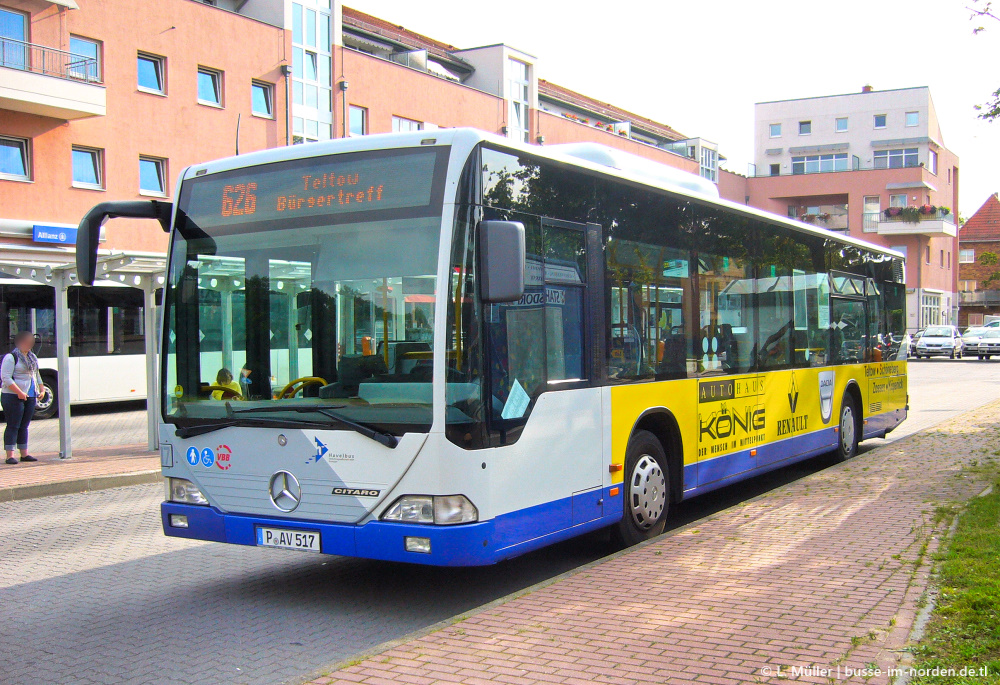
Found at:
(356, 492)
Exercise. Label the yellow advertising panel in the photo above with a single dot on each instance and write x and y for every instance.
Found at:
(722, 415)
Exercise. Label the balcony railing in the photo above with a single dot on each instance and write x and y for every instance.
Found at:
(764, 170)
(980, 298)
(914, 215)
(38, 59)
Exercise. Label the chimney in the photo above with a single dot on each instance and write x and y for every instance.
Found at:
(866, 89)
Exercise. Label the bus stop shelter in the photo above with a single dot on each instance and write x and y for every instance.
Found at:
(141, 270)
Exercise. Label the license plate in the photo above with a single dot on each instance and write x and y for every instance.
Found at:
(302, 540)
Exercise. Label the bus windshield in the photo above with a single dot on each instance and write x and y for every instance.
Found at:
(308, 283)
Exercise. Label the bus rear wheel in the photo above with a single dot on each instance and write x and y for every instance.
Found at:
(847, 442)
(47, 407)
(646, 490)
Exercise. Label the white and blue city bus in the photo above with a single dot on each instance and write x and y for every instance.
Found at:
(448, 348)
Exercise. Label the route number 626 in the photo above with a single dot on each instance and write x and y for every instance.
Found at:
(239, 199)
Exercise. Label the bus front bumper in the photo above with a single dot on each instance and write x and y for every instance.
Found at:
(460, 545)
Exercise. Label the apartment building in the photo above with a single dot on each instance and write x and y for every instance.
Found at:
(110, 100)
(873, 165)
(979, 294)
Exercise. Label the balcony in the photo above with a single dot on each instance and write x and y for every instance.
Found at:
(979, 298)
(926, 220)
(47, 82)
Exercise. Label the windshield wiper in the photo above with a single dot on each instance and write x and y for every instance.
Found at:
(380, 436)
(203, 428)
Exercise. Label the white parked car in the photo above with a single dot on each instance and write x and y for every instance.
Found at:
(989, 343)
(971, 336)
(940, 341)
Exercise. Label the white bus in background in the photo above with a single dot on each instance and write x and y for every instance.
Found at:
(107, 349)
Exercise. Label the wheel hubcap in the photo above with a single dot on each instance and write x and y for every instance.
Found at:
(647, 492)
(47, 402)
(847, 429)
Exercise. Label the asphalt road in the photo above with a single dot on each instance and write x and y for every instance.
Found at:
(92, 592)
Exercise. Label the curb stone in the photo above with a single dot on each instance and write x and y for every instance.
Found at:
(77, 485)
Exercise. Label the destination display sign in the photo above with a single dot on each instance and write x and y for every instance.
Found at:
(316, 186)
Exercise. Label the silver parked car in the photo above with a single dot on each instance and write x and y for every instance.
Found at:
(989, 343)
(940, 341)
(971, 336)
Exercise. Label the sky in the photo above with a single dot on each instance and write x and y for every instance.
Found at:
(700, 66)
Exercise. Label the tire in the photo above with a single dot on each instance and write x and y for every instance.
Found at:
(646, 491)
(847, 440)
(980, 357)
(50, 406)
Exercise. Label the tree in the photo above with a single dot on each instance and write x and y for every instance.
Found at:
(990, 259)
(984, 10)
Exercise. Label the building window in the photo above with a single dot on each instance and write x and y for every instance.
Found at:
(840, 124)
(209, 87)
(152, 175)
(967, 286)
(312, 79)
(913, 118)
(949, 260)
(15, 163)
(85, 60)
(358, 118)
(14, 53)
(927, 254)
(872, 213)
(805, 128)
(814, 164)
(897, 200)
(942, 259)
(710, 164)
(775, 130)
(518, 117)
(967, 256)
(897, 159)
(930, 309)
(151, 74)
(402, 125)
(88, 168)
(879, 121)
(262, 99)
(775, 169)
(932, 161)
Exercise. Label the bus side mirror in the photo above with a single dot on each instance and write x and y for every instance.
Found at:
(501, 261)
(89, 234)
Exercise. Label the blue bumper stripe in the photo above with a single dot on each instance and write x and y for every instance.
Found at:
(473, 544)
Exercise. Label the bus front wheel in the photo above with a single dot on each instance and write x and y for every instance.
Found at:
(646, 490)
(47, 407)
(847, 443)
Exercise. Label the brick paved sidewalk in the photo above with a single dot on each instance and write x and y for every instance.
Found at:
(89, 469)
(825, 572)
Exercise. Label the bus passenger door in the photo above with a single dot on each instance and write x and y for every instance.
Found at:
(546, 413)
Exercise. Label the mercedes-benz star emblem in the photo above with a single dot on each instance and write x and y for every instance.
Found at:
(284, 491)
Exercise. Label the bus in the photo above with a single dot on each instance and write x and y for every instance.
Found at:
(451, 349)
(107, 355)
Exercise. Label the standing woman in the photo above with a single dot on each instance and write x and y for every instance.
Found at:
(21, 386)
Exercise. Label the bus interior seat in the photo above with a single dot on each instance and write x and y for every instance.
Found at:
(351, 371)
(403, 365)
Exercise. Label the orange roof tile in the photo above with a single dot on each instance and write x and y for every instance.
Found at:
(571, 97)
(985, 223)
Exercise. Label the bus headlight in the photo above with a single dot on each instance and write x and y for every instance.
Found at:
(184, 491)
(438, 510)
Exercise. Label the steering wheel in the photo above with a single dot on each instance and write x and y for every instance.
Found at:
(298, 384)
(227, 392)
